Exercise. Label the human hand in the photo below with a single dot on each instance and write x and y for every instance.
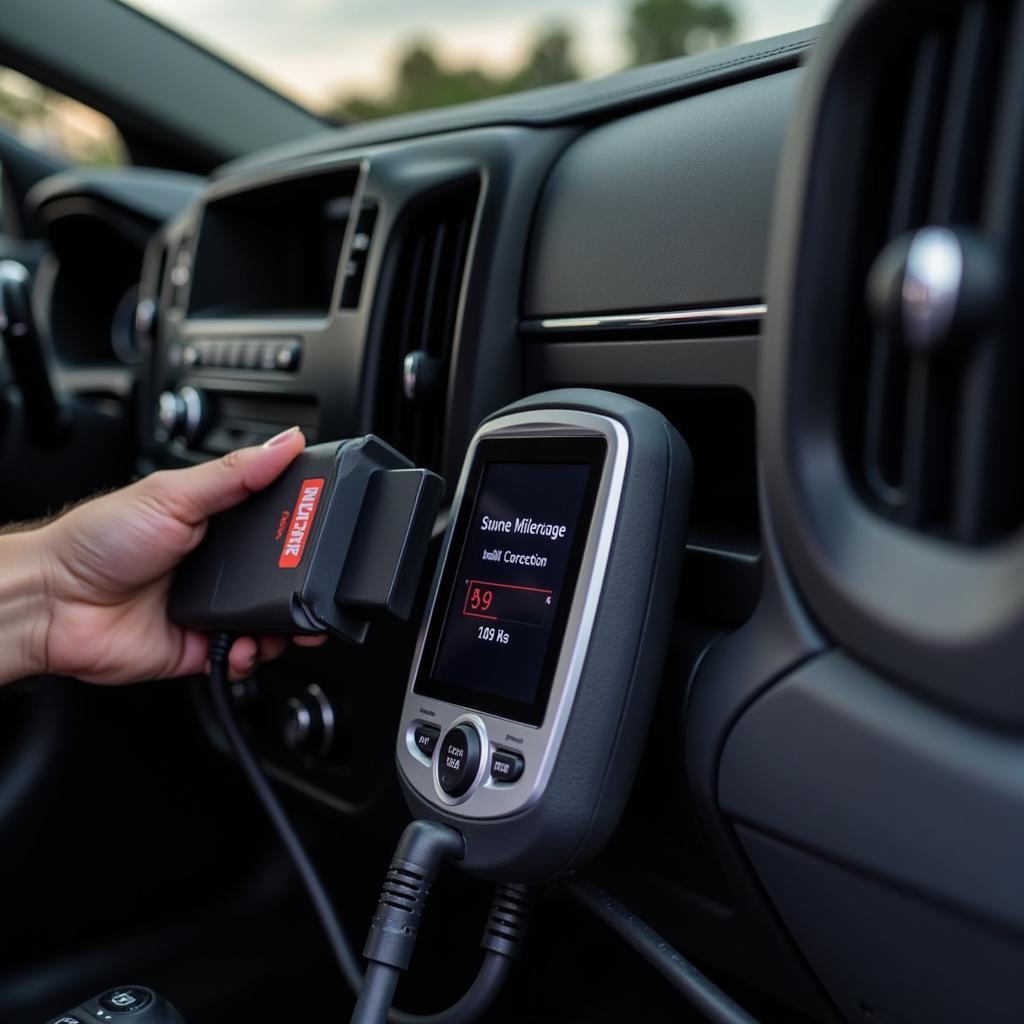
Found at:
(107, 567)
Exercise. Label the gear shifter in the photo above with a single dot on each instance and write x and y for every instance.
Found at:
(130, 1004)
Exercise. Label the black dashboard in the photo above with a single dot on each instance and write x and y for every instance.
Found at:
(412, 287)
(821, 794)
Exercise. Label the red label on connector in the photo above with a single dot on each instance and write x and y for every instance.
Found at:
(301, 523)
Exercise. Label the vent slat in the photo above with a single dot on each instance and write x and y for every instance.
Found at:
(460, 245)
(928, 443)
(431, 339)
(1002, 192)
(962, 145)
(414, 289)
(419, 306)
(884, 427)
(989, 486)
(937, 428)
(916, 159)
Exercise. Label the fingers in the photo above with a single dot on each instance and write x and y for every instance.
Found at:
(247, 653)
(242, 658)
(309, 641)
(272, 647)
(201, 491)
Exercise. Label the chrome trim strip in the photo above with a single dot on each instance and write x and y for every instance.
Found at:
(631, 321)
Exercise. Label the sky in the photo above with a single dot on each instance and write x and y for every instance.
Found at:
(314, 50)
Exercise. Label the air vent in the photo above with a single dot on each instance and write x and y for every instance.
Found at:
(419, 301)
(892, 393)
(930, 399)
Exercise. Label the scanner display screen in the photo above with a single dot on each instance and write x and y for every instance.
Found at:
(513, 567)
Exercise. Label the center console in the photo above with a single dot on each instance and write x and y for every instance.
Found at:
(261, 297)
(362, 292)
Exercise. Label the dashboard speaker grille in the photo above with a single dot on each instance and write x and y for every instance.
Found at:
(931, 417)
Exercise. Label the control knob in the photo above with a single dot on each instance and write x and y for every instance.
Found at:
(182, 413)
(307, 722)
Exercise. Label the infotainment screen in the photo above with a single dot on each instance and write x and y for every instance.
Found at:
(510, 575)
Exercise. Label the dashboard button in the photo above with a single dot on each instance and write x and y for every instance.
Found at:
(356, 266)
(506, 765)
(250, 355)
(288, 355)
(459, 759)
(425, 738)
(268, 357)
(126, 1000)
(66, 1018)
(170, 413)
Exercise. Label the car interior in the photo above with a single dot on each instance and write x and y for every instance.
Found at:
(709, 366)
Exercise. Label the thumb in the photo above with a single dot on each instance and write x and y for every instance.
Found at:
(198, 492)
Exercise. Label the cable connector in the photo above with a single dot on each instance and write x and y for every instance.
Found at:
(511, 910)
(423, 848)
(219, 645)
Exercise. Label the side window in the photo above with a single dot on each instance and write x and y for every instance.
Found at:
(52, 123)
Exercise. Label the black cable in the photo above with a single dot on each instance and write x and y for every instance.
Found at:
(695, 986)
(220, 644)
(477, 999)
(506, 925)
(379, 989)
(422, 849)
(376, 994)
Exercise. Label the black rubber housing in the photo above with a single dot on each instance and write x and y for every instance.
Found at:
(423, 848)
(594, 771)
(354, 566)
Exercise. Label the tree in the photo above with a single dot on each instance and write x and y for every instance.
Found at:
(661, 29)
(549, 62)
(423, 82)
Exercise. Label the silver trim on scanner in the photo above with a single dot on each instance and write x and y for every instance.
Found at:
(633, 321)
(538, 745)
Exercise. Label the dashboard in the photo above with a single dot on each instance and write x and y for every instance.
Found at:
(410, 288)
(828, 806)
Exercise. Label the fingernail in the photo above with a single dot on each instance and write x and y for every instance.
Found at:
(278, 438)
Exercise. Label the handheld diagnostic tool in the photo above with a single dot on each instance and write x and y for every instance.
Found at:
(538, 663)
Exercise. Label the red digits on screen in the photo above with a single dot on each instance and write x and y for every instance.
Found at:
(480, 600)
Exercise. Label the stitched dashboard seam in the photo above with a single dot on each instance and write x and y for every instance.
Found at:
(665, 83)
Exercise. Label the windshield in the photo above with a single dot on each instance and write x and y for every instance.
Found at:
(357, 59)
